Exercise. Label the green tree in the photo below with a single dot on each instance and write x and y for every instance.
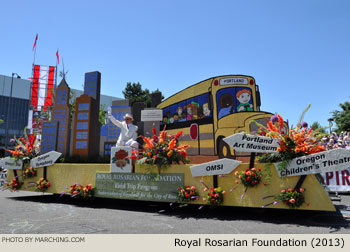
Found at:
(342, 118)
(102, 114)
(134, 93)
(317, 126)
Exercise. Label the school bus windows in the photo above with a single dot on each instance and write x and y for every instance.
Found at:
(244, 100)
(166, 115)
(234, 99)
(192, 109)
(181, 111)
(204, 109)
(173, 118)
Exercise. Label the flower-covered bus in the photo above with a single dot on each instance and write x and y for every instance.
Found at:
(213, 109)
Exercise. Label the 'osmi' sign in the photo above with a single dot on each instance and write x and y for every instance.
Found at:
(251, 143)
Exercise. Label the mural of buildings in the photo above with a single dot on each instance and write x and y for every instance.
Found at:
(110, 132)
(49, 137)
(86, 135)
(61, 113)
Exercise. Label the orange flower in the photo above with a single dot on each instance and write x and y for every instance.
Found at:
(272, 127)
(280, 121)
(178, 134)
(183, 147)
(162, 136)
(172, 144)
(148, 142)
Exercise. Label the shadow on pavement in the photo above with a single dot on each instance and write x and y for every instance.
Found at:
(333, 220)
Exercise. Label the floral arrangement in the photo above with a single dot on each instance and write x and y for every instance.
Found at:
(295, 142)
(187, 193)
(250, 177)
(42, 185)
(292, 198)
(161, 150)
(29, 172)
(214, 196)
(78, 191)
(88, 191)
(14, 185)
(26, 148)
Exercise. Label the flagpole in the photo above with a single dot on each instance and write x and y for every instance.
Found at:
(56, 71)
(34, 52)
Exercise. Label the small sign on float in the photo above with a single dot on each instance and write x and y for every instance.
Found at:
(252, 143)
(217, 167)
(150, 115)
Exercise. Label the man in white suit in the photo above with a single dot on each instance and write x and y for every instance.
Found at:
(128, 133)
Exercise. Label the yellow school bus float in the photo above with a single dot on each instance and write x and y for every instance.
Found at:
(213, 109)
(206, 112)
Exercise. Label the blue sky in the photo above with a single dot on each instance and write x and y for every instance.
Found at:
(298, 51)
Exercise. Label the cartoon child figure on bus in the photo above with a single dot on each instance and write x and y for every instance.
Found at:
(243, 96)
(206, 110)
(226, 105)
(181, 114)
(189, 116)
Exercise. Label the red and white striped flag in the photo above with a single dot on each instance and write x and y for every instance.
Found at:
(42, 88)
(36, 38)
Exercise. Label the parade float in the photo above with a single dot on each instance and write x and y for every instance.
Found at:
(281, 172)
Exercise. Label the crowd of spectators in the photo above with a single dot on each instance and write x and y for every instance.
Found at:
(333, 141)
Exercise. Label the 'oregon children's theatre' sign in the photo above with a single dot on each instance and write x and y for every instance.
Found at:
(326, 161)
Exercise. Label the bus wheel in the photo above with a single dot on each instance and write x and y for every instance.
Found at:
(224, 150)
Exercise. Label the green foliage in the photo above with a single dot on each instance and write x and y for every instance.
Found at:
(317, 126)
(134, 93)
(102, 114)
(1, 121)
(302, 115)
(342, 118)
(72, 104)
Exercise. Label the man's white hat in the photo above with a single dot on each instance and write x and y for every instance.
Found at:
(129, 116)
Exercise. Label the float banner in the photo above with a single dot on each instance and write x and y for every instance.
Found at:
(326, 161)
(45, 160)
(11, 163)
(133, 186)
(217, 167)
(251, 143)
(338, 181)
(3, 176)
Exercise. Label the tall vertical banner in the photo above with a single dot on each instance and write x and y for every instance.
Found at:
(42, 87)
(41, 94)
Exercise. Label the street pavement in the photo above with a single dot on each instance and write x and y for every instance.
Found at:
(36, 213)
